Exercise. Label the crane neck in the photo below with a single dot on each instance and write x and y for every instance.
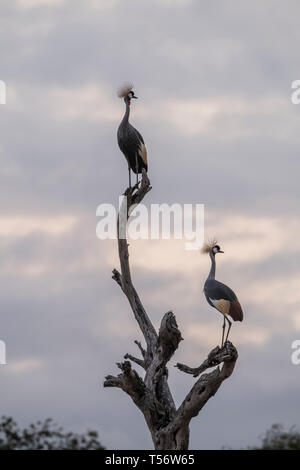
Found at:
(212, 271)
(127, 112)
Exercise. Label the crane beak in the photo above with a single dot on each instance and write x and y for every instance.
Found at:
(220, 251)
(135, 97)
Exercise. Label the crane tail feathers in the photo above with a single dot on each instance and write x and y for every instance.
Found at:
(235, 311)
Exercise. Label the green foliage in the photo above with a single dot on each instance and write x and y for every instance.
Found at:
(277, 438)
(44, 436)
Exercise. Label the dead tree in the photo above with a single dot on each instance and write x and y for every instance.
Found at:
(168, 425)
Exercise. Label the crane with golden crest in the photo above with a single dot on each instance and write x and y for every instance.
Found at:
(217, 294)
(130, 141)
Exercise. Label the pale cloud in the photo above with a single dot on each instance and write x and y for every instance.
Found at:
(24, 366)
(12, 98)
(38, 3)
(174, 2)
(273, 292)
(296, 320)
(253, 335)
(101, 4)
(245, 239)
(88, 102)
(209, 116)
(20, 226)
(248, 238)
(208, 335)
(218, 115)
(30, 245)
(111, 326)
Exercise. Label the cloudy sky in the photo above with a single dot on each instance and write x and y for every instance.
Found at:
(214, 86)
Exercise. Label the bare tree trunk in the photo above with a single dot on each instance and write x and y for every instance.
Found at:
(169, 427)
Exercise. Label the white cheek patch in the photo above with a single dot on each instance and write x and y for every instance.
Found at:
(130, 95)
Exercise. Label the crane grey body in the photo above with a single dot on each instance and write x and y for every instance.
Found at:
(130, 141)
(220, 296)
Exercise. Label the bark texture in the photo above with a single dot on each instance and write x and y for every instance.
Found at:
(168, 425)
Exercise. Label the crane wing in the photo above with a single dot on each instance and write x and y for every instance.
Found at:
(143, 153)
(217, 290)
(139, 135)
(223, 299)
(139, 141)
(132, 145)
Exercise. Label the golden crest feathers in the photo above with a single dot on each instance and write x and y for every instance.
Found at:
(125, 89)
(208, 246)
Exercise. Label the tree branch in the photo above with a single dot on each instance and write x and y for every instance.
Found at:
(169, 427)
(138, 361)
(128, 380)
(208, 384)
(157, 373)
(168, 341)
(131, 383)
(226, 354)
(139, 345)
(133, 196)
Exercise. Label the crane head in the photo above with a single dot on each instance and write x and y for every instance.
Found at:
(211, 247)
(216, 249)
(130, 96)
(126, 92)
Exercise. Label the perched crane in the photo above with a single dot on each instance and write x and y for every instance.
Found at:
(217, 294)
(130, 141)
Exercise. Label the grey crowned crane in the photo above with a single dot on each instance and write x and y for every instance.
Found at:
(217, 294)
(130, 141)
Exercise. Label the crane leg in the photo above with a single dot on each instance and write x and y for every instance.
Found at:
(223, 328)
(129, 176)
(228, 329)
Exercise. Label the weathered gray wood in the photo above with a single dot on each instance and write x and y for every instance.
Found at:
(227, 353)
(169, 427)
(133, 196)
